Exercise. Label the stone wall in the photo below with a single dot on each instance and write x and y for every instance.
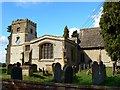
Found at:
(94, 56)
(25, 85)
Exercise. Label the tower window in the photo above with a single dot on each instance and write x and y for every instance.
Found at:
(18, 29)
(31, 31)
(17, 40)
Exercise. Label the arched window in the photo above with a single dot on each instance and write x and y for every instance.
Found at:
(46, 51)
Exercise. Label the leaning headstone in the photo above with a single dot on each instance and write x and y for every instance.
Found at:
(16, 72)
(95, 73)
(57, 73)
(9, 68)
(68, 74)
(88, 72)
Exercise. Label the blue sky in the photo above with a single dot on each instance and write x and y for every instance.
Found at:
(51, 17)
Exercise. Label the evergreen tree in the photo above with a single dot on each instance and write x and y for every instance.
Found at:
(66, 32)
(110, 29)
(75, 34)
(110, 25)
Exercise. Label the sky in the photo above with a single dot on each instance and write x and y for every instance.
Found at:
(51, 17)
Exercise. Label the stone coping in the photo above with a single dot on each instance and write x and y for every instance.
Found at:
(22, 83)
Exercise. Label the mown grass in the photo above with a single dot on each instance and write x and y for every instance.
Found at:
(81, 78)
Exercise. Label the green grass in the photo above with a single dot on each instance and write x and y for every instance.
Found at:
(38, 77)
(81, 78)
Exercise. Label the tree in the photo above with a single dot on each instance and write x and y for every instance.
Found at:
(66, 32)
(9, 28)
(110, 29)
(75, 34)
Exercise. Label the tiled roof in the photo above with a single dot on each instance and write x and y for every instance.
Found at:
(90, 37)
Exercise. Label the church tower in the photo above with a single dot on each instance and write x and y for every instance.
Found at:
(21, 31)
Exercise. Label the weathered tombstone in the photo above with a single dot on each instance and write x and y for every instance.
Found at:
(76, 68)
(88, 72)
(34, 67)
(80, 67)
(73, 67)
(104, 73)
(27, 70)
(101, 71)
(95, 73)
(53, 68)
(57, 72)
(68, 74)
(9, 68)
(16, 72)
(40, 70)
(85, 66)
(43, 71)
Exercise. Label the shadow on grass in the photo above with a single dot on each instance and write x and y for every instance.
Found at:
(38, 76)
(112, 81)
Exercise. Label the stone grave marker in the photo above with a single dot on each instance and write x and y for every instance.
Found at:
(68, 74)
(34, 67)
(95, 73)
(53, 69)
(104, 72)
(57, 72)
(9, 68)
(27, 70)
(43, 71)
(101, 71)
(16, 72)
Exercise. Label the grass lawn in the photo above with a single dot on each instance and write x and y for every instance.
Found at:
(81, 78)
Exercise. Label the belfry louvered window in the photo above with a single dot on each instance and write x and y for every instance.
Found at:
(46, 51)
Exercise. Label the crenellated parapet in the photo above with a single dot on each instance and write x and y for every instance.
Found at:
(18, 21)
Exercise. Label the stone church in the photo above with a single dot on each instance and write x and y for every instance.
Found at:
(25, 47)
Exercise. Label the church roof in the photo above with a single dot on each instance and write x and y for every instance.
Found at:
(90, 37)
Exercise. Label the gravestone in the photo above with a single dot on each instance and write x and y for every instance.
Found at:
(80, 68)
(43, 71)
(68, 74)
(95, 73)
(9, 68)
(57, 73)
(53, 68)
(27, 70)
(102, 71)
(16, 72)
(73, 67)
(34, 67)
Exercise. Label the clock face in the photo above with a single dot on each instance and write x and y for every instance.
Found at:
(18, 40)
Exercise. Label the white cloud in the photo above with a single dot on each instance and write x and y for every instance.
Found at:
(3, 40)
(97, 18)
(3, 45)
(73, 29)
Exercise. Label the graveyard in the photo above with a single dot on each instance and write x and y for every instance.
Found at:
(80, 78)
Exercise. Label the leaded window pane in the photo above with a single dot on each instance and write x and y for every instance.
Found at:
(47, 51)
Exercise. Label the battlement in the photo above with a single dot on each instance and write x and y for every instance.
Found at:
(18, 21)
